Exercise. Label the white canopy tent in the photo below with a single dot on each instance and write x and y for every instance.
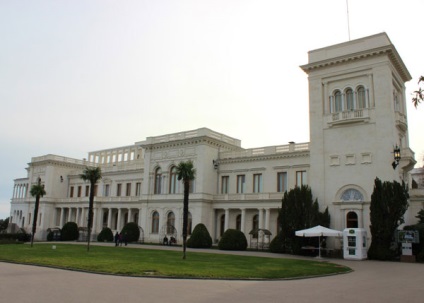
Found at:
(319, 231)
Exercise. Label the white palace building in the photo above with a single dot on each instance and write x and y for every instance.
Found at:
(357, 112)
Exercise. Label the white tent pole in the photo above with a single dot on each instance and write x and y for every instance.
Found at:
(319, 246)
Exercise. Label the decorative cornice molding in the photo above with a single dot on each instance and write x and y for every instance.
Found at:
(190, 142)
(389, 50)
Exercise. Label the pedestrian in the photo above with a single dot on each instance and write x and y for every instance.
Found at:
(116, 239)
(125, 239)
(165, 240)
(120, 239)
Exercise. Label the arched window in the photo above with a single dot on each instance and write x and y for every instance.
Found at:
(255, 224)
(158, 180)
(238, 222)
(173, 182)
(155, 222)
(361, 97)
(351, 220)
(170, 223)
(349, 99)
(338, 101)
(352, 194)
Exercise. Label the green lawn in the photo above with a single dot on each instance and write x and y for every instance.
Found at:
(147, 262)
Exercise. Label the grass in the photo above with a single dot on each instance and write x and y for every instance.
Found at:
(163, 263)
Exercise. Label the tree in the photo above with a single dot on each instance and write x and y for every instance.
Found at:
(185, 172)
(389, 201)
(37, 191)
(419, 94)
(92, 175)
(3, 224)
(299, 211)
(420, 216)
(200, 237)
(131, 232)
(69, 232)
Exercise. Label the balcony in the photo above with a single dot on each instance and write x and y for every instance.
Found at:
(401, 121)
(352, 116)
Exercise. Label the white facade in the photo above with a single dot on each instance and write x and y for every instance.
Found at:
(357, 115)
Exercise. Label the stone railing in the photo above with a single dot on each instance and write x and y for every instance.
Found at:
(263, 151)
(59, 159)
(192, 134)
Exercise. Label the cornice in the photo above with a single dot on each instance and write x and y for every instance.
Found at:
(56, 163)
(190, 142)
(388, 50)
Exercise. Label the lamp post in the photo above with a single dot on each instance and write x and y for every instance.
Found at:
(396, 155)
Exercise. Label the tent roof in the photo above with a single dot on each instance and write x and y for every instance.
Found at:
(318, 231)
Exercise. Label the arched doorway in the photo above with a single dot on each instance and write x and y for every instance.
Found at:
(351, 220)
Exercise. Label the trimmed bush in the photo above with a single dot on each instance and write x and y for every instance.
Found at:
(200, 237)
(70, 232)
(276, 245)
(20, 236)
(233, 239)
(105, 235)
(131, 232)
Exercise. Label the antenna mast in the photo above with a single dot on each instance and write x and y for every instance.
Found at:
(348, 23)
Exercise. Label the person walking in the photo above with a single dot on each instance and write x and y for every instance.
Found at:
(116, 239)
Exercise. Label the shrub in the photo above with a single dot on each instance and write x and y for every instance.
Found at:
(105, 235)
(131, 231)
(70, 232)
(233, 239)
(20, 236)
(200, 237)
(276, 245)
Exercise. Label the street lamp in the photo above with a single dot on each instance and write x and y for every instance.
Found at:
(396, 155)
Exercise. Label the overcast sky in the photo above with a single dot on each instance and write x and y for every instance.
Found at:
(78, 76)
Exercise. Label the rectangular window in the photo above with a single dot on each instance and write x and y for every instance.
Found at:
(138, 189)
(128, 191)
(95, 190)
(71, 192)
(224, 184)
(257, 183)
(301, 178)
(87, 190)
(118, 189)
(241, 184)
(281, 182)
(107, 190)
(79, 191)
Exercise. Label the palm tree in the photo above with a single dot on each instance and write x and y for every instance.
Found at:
(92, 175)
(37, 191)
(186, 173)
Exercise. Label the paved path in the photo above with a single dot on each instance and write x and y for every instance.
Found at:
(370, 282)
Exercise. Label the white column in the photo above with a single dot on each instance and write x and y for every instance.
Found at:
(69, 214)
(227, 218)
(243, 220)
(84, 220)
(109, 218)
(267, 215)
(62, 217)
(139, 217)
(118, 225)
(261, 218)
(129, 215)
